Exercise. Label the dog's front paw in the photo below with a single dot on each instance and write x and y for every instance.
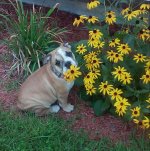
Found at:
(55, 108)
(68, 108)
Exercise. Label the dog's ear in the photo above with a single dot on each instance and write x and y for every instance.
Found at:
(47, 59)
(66, 45)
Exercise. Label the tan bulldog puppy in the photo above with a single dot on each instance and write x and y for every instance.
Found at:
(47, 85)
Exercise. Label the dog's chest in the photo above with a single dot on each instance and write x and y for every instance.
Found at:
(69, 85)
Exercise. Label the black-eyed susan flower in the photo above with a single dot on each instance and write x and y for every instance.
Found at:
(92, 4)
(146, 77)
(110, 55)
(126, 78)
(119, 72)
(139, 123)
(139, 58)
(95, 73)
(110, 17)
(148, 101)
(114, 42)
(92, 19)
(118, 57)
(94, 64)
(99, 44)
(145, 6)
(95, 34)
(135, 112)
(147, 65)
(81, 49)
(88, 79)
(105, 88)
(124, 49)
(90, 90)
(146, 122)
(115, 94)
(121, 106)
(72, 73)
(79, 20)
(144, 34)
(92, 42)
(88, 57)
(129, 14)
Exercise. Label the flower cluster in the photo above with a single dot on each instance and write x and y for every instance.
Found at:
(116, 67)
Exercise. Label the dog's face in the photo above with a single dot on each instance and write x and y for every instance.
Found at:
(61, 59)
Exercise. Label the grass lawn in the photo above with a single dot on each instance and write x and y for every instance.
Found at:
(30, 133)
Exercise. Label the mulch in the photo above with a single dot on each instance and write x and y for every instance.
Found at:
(83, 116)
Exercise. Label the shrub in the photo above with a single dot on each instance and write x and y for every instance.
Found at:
(115, 60)
(30, 36)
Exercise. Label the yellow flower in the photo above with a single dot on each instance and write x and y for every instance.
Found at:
(89, 56)
(135, 112)
(121, 106)
(105, 88)
(118, 57)
(147, 65)
(79, 20)
(119, 72)
(139, 123)
(115, 94)
(99, 44)
(124, 49)
(95, 34)
(145, 6)
(148, 101)
(93, 64)
(92, 19)
(139, 58)
(144, 34)
(88, 79)
(110, 17)
(92, 4)
(92, 42)
(126, 78)
(146, 77)
(111, 55)
(90, 90)
(95, 73)
(129, 14)
(114, 42)
(81, 49)
(146, 122)
(72, 73)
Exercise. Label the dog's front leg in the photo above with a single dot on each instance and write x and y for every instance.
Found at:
(67, 107)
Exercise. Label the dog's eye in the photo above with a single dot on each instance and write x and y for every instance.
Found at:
(69, 54)
(57, 63)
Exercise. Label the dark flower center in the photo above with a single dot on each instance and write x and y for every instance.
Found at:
(147, 76)
(105, 86)
(140, 57)
(121, 104)
(72, 71)
(78, 18)
(141, 32)
(135, 112)
(90, 17)
(88, 76)
(115, 93)
(113, 40)
(94, 31)
(117, 55)
(94, 61)
(119, 72)
(129, 12)
(109, 16)
(123, 47)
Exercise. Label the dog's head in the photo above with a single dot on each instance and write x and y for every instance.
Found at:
(61, 59)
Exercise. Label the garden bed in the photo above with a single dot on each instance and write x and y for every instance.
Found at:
(83, 116)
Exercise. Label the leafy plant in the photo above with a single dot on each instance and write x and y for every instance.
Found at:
(115, 61)
(31, 36)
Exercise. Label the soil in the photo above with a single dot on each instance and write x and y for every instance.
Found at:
(83, 116)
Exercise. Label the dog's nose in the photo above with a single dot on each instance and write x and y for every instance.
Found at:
(68, 64)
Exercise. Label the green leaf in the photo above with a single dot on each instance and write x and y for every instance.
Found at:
(100, 107)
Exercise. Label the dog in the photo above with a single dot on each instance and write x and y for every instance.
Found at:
(47, 85)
